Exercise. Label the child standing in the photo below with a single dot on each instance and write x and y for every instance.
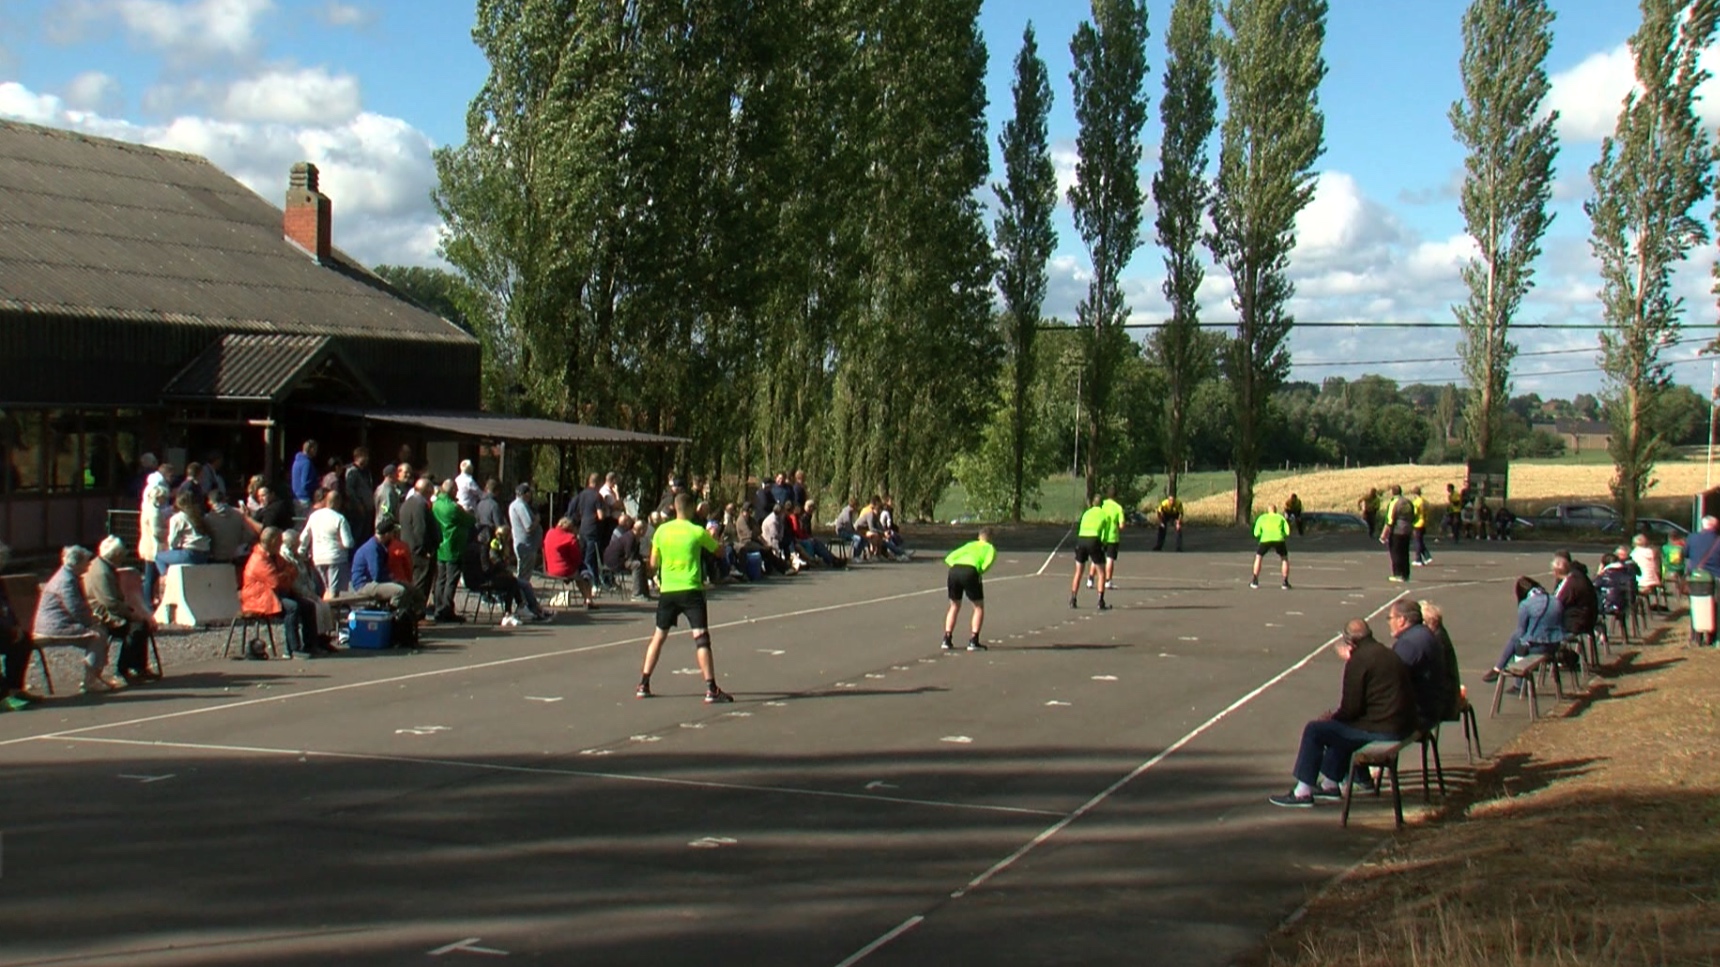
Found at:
(968, 564)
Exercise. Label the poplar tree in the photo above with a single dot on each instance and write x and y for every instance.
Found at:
(1181, 191)
(1110, 54)
(1025, 239)
(1508, 180)
(1652, 171)
(1272, 62)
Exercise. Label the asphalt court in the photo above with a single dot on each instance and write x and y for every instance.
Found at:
(1091, 788)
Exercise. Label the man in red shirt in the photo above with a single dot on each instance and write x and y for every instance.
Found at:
(563, 558)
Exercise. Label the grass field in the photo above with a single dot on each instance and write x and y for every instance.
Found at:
(1534, 484)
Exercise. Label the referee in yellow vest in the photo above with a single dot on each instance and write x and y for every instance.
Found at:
(1419, 504)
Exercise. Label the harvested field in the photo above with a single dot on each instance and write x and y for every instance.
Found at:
(1533, 486)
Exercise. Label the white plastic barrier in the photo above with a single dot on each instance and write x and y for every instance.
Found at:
(198, 595)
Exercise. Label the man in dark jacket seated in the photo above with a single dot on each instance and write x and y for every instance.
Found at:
(1419, 649)
(1378, 705)
(485, 576)
(1576, 594)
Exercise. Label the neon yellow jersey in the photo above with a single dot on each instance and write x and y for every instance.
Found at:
(1113, 521)
(1092, 523)
(975, 554)
(1271, 528)
(677, 544)
(1420, 507)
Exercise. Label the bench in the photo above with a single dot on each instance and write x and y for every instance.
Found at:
(198, 595)
(1384, 755)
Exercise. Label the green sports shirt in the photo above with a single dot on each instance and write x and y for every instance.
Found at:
(1113, 521)
(1092, 523)
(1271, 528)
(975, 554)
(680, 565)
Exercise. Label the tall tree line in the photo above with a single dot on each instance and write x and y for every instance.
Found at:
(751, 224)
(1508, 179)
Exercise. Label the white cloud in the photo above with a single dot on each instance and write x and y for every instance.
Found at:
(308, 96)
(1064, 158)
(1589, 96)
(376, 169)
(93, 91)
(345, 15)
(190, 29)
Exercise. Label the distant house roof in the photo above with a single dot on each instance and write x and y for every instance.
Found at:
(263, 367)
(96, 228)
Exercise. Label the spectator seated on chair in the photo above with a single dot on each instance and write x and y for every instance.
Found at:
(1540, 630)
(623, 556)
(15, 649)
(1576, 594)
(1646, 557)
(489, 579)
(271, 510)
(1422, 654)
(564, 558)
(123, 623)
(270, 590)
(188, 539)
(800, 532)
(372, 576)
(1503, 520)
(778, 542)
(846, 530)
(307, 591)
(63, 616)
(1616, 585)
(1377, 705)
(872, 524)
(1433, 617)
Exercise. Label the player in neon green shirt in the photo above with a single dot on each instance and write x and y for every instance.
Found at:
(968, 564)
(1272, 531)
(1112, 538)
(678, 552)
(1090, 551)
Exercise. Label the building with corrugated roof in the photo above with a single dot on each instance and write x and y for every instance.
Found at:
(150, 303)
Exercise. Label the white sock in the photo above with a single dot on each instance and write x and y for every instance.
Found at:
(1329, 785)
(1302, 790)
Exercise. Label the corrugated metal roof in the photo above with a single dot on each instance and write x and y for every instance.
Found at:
(91, 227)
(251, 367)
(491, 426)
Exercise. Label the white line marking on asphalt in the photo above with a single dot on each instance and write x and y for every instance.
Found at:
(881, 784)
(1004, 864)
(1104, 678)
(146, 780)
(646, 738)
(571, 773)
(468, 946)
(1188, 638)
(543, 698)
(422, 730)
(475, 666)
(957, 739)
(712, 842)
(1057, 703)
(685, 671)
(772, 651)
(692, 725)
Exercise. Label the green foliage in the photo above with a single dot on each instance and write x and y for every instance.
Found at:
(1653, 170)
(755, 225)
(1272, 61)
(1025, 240)
(1181, 192)
(1508, 181)
(1111, 107)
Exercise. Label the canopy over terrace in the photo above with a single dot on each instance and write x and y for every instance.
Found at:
(503, 430)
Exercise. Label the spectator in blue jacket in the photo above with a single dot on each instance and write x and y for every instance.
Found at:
(1540, 626)
(305, 476)
(371, 576)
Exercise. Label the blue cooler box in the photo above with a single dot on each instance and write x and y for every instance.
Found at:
(370, 629)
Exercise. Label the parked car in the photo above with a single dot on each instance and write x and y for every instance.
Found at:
(1657, 527)
(1592, 516)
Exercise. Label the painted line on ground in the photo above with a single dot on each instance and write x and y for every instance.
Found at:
(551, 771)
(475, 666)
(1097, 800)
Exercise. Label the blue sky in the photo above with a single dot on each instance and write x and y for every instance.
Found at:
(366, 88)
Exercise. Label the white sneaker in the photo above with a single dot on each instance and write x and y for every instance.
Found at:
(509, 621)
(1089, 584)
(1110, 585)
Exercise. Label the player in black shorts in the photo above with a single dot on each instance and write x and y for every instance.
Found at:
(968, 565)
(1090, 553)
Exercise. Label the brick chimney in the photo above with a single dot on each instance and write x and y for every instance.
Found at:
(310, 215)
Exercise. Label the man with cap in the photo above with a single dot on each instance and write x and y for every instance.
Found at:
(527, 531)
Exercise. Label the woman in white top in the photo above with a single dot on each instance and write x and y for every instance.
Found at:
(151, 536)
(327, 544)
(187, 535)
(1647, 558)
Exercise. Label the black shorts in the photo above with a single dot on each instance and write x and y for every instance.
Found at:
(671, 605)
(1089, 549)
(1279, 547)
(965, 579)
(1112, 548)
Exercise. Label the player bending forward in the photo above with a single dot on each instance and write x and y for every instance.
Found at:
(968, 564)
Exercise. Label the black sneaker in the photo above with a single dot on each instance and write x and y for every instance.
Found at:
(1291, 800)
(974, 645)
(1254, 585)
(714, 695)
(1491, 676)
(1286, 585)
(1072, 603)
(948, 645)
(1103, 606)
(643, 691)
